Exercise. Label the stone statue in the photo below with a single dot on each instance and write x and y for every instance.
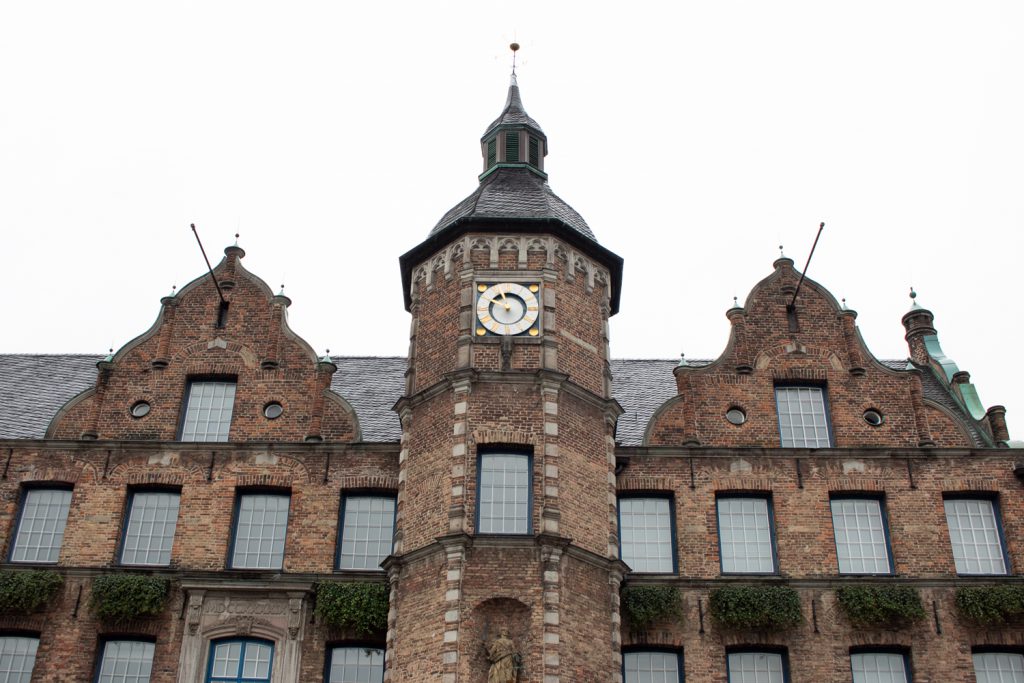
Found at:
(505, 661)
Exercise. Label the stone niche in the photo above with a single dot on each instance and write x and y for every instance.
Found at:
(483, 624)
(271, 612)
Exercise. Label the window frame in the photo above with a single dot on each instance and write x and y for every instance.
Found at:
(200, 379)
(883, 513)
(825, 402)
(636, 649)
(994, 650)
(908, 668)
(245, 640)
(331, 646)
(16, 527)
(126, 517)
(770, 503)
(25, 635)
(101, 648)
(651, 495)
(362, 493)
(997, 514)
(258, 491)
(498, 450)
(769, 650)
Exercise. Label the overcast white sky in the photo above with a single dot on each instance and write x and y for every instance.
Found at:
(694, 137)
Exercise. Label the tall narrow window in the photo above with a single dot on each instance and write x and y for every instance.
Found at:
(208, 408)
(260, 526)
(511, 146)
(879, 667)
(356, 665)
(976, 536)
(534, 151)
(745, 535)
(803, 420)
(367, 528)
(126, 661)
(44, 514)
(756, 667)
(999, 667)
(240, 661)
(17, 658)
(149, 532)
(652, 667)
(504, 494)
(492, 152)
(645, 535)
(861, 542)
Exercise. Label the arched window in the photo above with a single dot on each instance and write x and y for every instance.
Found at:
(240, 660)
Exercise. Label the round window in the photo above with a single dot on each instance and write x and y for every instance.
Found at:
(873, 417)
(272, 411)
(736, 416)
(140, 409)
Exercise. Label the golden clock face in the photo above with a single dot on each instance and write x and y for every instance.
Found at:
(507, 308)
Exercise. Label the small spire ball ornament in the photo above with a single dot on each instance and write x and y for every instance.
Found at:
(514, 47)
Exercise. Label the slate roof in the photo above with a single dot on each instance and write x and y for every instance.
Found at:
(514, 193)
(513, 113)
(34, 387)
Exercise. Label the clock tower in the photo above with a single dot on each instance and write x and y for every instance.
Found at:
(506, 553)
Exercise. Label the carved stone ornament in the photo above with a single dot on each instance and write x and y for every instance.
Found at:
(504, 658)
(195, 612)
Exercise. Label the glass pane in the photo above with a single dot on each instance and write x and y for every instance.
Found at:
(745, 536)
(999, 667)
(860, 536)
(802, 418)
(651, 667)
(755, 667)
(504, 494)
(126, 661)
(150, 531)
(356, 665)
(878, 667)
(41, 528)
(645, 533)
(260, 531)
(974, 535)
(256, 663)
(17, 657)
(208, 411)
(369, 526)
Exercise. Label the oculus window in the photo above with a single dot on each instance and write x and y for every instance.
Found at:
(803, 418)
(999, 667)
(861, 543)
(975, 535)
(208, 408)
(261, 520)
(756, 667)
(367, 530)
(44, 514)
(645, 535)
(504, 494)
(745, 535)
(879, 667)
(149, 531)
(126, 661)
(240, 661)
(355, 665)
(651, 667)
(17, 658)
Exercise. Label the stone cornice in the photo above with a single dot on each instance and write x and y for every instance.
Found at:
(836, 453)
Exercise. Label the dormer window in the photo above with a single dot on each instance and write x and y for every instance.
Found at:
(208, 408)
(512, 146)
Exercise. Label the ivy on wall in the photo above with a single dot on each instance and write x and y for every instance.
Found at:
(356, 606)
(644, 605)
(755, 607)
(991, 605)
(23, 592)
(881, 606)
(120, 597)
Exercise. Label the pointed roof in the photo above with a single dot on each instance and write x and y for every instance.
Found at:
(514, 114)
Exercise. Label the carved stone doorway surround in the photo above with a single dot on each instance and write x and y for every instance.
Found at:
(274, 611)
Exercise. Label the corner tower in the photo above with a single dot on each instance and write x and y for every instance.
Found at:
(506, 506)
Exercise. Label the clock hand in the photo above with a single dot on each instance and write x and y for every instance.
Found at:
(506, 304)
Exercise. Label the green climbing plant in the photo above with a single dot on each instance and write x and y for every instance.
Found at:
(358, 606)
(644, 605)
(881, 606)
(755, 607)
(121, 597)
(26, 591)
(991, 605)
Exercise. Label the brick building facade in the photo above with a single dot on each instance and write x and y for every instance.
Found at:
(508, 476)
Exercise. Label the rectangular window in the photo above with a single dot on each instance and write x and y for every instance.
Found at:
(126, 661)
(645, 535)
(745, 535)
(976, 536)
(862, 545)
(492, 152)
(534, 151)
(756, 667)
(803, 419)
(208, 409)
(260, 525)
(44, 514)
(149, 531)
(512, 147)
(367, 530)
(879, 667)
(240, 661)
(504, 494)
(651, 667)
(17, 658)
(356, 665)
(999, 667)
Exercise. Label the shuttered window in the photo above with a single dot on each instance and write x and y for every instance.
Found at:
(512, 146)
(534, 151)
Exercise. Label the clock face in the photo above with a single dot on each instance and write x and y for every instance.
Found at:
(507, 308)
